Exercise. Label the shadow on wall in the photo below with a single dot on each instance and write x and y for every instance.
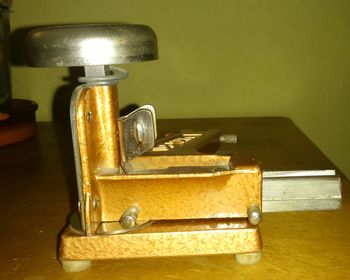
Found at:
(18, 48)
(61, 99)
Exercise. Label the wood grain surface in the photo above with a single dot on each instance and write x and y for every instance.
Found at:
(38, 192)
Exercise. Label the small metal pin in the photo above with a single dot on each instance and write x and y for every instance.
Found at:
(96, 202)
(128, 220)
(254, 215)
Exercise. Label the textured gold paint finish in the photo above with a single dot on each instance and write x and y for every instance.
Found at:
(101, 130)
(184, 194)
(181, 196)
(160, 196)
(96, 121)
(165, 161)
(176, 238)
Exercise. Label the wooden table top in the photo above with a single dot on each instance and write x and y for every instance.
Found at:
(38, 192)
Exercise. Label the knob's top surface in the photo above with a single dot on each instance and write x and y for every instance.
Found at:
(92, 44)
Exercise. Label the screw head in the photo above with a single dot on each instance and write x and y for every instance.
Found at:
(128, 221)
(96, 202)
(254, 215)
(129, 218)
(89, 116)
(140, 132)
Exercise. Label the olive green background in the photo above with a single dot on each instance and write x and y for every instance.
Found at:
(220, 59)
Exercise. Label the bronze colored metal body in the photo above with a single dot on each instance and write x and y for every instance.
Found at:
(139, 197)
(197, 200)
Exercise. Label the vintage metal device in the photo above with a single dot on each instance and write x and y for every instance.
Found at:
(140, 196)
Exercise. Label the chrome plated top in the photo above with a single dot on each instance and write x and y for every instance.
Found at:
(92, 44)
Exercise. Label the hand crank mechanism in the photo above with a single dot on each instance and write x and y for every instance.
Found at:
(139, 196)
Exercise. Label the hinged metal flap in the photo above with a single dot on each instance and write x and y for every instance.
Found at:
(137, 132)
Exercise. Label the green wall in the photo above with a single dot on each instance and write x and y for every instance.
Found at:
(221, 59)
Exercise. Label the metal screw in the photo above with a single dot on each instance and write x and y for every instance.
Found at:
(140, 132)
(128, 220)
(254, 215)
(96, 202)
(89, 116)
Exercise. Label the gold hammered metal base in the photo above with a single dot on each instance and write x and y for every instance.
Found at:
(165, 238)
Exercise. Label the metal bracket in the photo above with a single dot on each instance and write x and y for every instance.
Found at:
(137, 132)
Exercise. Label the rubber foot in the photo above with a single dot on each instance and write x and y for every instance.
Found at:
(75, 266)
(248, 258)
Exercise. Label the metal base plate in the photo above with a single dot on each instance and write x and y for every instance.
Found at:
(165, 238)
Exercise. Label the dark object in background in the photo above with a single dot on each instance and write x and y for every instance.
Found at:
(5, 85)
(19, 125)
(17, 117)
